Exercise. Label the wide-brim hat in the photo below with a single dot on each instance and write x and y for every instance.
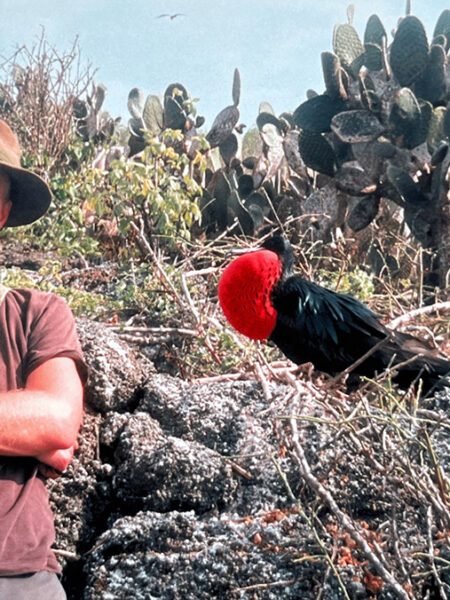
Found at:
(29, 194)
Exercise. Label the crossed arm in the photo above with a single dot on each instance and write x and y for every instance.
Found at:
(43, 419)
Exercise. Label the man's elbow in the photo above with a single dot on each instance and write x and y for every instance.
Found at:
(66, 425)
(60, 391)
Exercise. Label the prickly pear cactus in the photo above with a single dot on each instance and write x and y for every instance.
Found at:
(381, 129)
(90, 122)
(151, 115)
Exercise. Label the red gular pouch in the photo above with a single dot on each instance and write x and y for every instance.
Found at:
(244, 293)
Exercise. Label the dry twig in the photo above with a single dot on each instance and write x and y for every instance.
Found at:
(418, 312)
(378, 559)
(263, 586)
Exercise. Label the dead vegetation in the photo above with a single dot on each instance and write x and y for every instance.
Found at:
(37, 90)
(375, 491)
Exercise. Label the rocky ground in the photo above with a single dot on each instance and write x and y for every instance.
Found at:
(277, 485)
(249, 489)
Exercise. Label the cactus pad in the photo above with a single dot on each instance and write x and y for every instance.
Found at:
(348, 46)
(332, 75)
(432, 84)
(251, 143)
(363, 213)
(409, 51)
(316, 152)
(136, 127)
(287, 120)
(98, 97)
(80, 109)
(354, 126)
(436, 128)
(369, 98)
(136, 103)
(245, 185)
(265, 117)
(174, 115)
(258, 199)
(292, 153)
(228, 149)
(375, 31)
(177, 91)
(373, 57)
(408, 190)
(446, 123)
(405, 120)
(426, 110)
(316, 113)
(222, 191)
(440, 153)
(352, 179)
(174, 112)
(443, 27)
(236, 90)
(374, 42)
(266, 107)
(373, 156)
(153, 114)
(271, 135)
(242, 214)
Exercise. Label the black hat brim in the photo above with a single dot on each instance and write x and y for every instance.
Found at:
(29, 194)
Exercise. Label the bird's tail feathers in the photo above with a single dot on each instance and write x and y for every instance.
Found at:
(413, 360)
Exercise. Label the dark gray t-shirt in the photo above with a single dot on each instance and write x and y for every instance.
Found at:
(34, 327)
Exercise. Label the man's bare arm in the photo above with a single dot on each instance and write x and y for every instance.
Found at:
(45, 416)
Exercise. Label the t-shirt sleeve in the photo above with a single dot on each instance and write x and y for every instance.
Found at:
(52, 334)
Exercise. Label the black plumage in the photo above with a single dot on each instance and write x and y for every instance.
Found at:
(333, 330)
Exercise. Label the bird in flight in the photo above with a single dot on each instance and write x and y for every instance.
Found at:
(171, 17)
(263, 299)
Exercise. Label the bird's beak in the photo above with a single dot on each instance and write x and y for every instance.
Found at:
(239, 251)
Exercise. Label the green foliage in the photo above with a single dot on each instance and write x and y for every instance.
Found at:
(138, 288)
(63, 226)
(356, 282)
(82, 303)
(156, 194)
(94, 211)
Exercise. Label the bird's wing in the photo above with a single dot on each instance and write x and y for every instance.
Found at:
(324, 327)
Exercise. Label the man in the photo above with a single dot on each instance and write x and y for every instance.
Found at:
(41, 401)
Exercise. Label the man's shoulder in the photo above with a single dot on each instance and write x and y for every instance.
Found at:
(33, 295)
(34, 301)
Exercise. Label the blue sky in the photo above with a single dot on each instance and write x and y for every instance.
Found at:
(276, 44)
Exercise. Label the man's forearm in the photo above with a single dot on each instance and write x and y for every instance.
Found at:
(33, 422)
(46, 414)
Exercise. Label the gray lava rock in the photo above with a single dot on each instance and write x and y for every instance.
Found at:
(111, 427)
(80, 497)
(233, 418)
(116, 372)
(440, 437)
(162, 473)
(215, 415)
(185, 491)
(176, 556)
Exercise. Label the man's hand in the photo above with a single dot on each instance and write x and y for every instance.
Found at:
(52, 464)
